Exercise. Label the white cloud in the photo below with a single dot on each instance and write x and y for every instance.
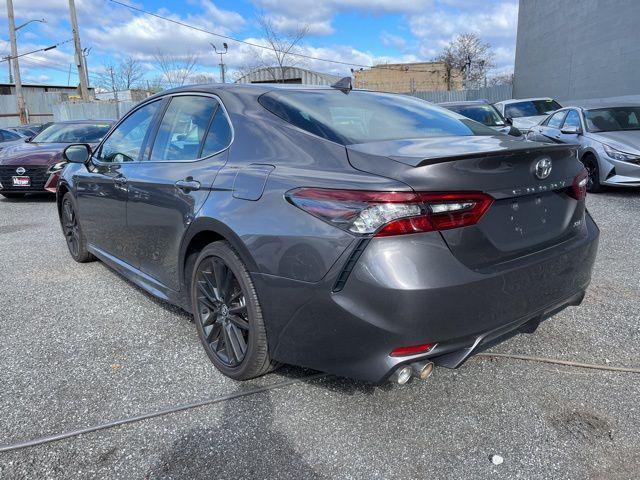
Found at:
(318, 15)
(393, 41)
(496, 24)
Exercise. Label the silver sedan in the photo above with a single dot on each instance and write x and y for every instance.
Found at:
(608, 140)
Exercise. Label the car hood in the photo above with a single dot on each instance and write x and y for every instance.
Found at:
(627, 141)
(32, 153)
(421, 151)
(525, 123)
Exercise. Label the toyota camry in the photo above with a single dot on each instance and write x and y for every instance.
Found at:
(365, 234)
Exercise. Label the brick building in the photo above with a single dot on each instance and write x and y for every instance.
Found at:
(408, 77)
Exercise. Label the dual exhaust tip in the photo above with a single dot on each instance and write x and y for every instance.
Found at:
(421, 370)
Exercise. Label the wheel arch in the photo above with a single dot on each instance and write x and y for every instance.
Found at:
(63, 188)
(203, 232)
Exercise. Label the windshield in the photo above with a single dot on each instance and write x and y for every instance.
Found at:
(531, 108)
(613, 119)
(485, 114)
(361, 117)
(73, 133)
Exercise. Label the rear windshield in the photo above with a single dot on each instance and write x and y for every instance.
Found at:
(485, 114)
(531, 108)
(73, 133)
(361, 117)
(613, 119)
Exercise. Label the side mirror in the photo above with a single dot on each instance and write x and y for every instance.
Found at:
(508, 121)
(79, 153)
(571, 130)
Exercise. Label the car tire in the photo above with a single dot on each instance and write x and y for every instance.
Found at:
(590, 162)
(13, 195)
(74, 236)
(227, 314)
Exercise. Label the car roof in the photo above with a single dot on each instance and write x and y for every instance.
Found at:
(462, 104)
(518, 100)
(81, 122)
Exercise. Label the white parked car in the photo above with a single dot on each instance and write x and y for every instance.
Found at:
(526, 112)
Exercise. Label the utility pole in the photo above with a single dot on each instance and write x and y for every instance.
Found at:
(8, 59)
(22, 111)
(80, 60)
(115, 92)
(221, 53)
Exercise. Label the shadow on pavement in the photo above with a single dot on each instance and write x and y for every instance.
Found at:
(244, 444)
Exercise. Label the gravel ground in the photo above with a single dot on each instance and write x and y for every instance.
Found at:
(81, 346)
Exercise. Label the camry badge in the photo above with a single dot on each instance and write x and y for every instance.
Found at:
(20, 170)
(543, 168)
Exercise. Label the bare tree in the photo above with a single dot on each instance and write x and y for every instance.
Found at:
(176, 69)
(281, 54)
(202, 78)
(126, 74)
(467, 54)
(500, 79)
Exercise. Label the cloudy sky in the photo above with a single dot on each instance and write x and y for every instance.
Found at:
(362, 32)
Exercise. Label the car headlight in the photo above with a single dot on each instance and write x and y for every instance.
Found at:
(618, 155)
(57, 167)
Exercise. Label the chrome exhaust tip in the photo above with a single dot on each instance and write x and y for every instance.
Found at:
(402, 375)
(422, 370)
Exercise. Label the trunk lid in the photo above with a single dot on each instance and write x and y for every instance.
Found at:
(529, 214)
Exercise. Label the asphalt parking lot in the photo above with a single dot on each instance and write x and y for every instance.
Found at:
(81, 346)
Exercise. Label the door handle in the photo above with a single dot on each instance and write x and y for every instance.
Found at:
(188, 185)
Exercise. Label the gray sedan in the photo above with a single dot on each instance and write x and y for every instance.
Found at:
(608, 137)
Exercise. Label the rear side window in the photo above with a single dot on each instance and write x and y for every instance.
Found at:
(361, 117)
(219, 135)
(183, 128)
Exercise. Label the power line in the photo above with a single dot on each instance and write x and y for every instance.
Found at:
(257, 45)
(6, 59)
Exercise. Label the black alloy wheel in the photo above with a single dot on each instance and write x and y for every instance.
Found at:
(70, 227)
(73, 231)
(228, 315)
(222, 307)
(593, 180)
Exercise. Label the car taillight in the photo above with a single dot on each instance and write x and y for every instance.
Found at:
(391, 213)
(579, 186)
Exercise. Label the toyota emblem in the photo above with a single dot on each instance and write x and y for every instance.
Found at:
(20, 170)
(543, 168)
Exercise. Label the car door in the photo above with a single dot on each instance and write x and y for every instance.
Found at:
(549, 130)
(102, 190)
(189, 147)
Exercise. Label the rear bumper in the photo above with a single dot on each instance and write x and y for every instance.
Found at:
(411, 290)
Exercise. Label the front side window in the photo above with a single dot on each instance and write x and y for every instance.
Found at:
(362, 117)
(73, 133)
(126, 142)
(556, 120)
(573, 119)
(183, 128)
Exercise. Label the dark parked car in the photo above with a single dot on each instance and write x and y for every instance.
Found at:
(8, 135)
(485, 113)
(34, 166)
(364, 234)
(24, 131)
